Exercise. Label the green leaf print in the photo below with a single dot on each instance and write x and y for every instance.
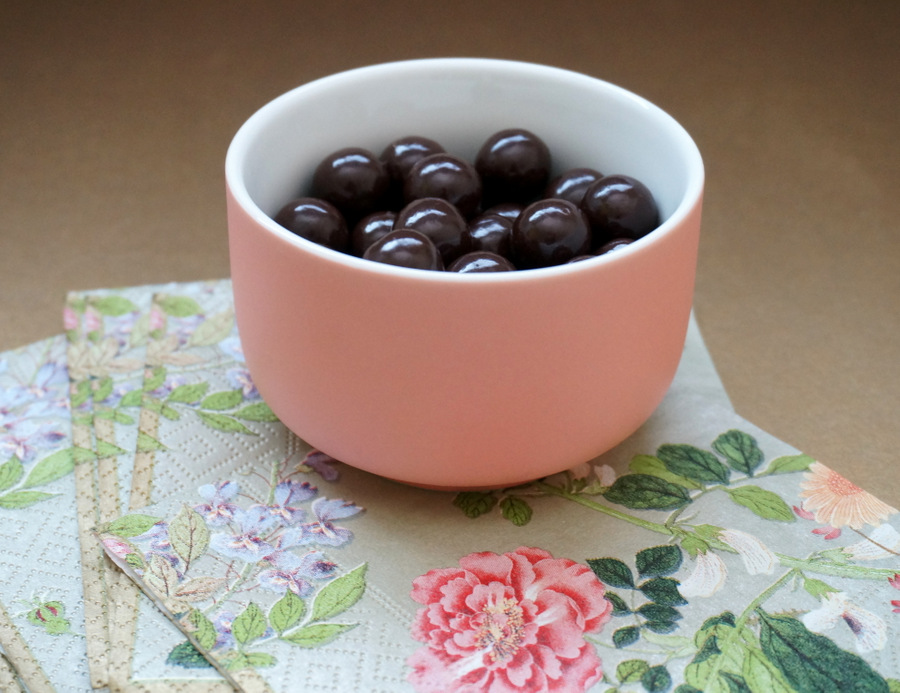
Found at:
(223, 423)
(735, 683)
(644, 492)
(131, 399)
(661, 613)
(811, 662)
(286, 612)
(620, 608)
(186, 655)
(623, 637)
(188, 394)
(316, 634)
(339, 594)
(131, 525)
(648, 464)
(16, 500)
(189, 535)
(112, 306)
(106, 449)
(147, 443)
(761, 675)
(178, 306)
(258, 411)
(516, 510)
(212, 330)
(475, 503)
(656, 679)
(204, 630)
(612, 572)
(631, 670)
(11, 472)
(740, 450)
(658, 560)
(51, 468)
(249, 625)
(693, 463)
(155, 380)
(102, 389)
(766, 504)
(662, 590)
(250, 660)
(790, 463)
(220, 401)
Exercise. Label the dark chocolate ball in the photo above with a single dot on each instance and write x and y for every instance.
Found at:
(353, 180)
(619, 207)
(514, 166)
(549, 232)
(490, 233)
(405, 248)
(440, 221)
(369, 229)
(445, 176)
(315, 220)
(400, 155)
(480, 261)
(572, 184)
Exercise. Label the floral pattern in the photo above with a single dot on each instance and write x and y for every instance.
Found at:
(200, 564)
(34, 427)
(508, 622)
(753, 649)
(701, 564)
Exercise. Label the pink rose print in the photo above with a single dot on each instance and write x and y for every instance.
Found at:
(510, 622)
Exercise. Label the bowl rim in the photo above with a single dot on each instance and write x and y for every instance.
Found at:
(244, 137)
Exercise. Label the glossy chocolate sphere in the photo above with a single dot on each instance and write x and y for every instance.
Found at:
(406, 248)
(353, 180)
(490, 233)
(440, 221)
(445, 176)
(619, 206)
(549, 232)
(315, 220)
(369, 229)
(514, 166)
(572, 184)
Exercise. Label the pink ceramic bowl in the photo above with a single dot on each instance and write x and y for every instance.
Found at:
(461, 381)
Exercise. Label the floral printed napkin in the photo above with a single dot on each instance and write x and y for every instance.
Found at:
(114, 339)
(700, 554)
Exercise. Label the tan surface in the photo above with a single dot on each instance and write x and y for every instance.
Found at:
(115, 118)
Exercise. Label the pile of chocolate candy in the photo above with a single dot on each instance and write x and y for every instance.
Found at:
(418, 206)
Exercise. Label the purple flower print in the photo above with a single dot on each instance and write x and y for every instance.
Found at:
(249, 544)
(222, 623)
(322, 464)
(218, 509)
(26, 439)
(240, 379)
(47, 390)
(287, 495)
(292, 572)
(323, 531)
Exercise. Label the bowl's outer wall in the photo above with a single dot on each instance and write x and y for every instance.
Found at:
(461, 384)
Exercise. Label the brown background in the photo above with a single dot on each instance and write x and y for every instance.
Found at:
(115, 118)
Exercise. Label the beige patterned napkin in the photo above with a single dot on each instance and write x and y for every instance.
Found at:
(700, 554)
